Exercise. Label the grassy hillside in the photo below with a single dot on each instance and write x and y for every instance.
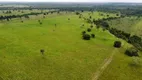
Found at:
(67, 56)
(123, 67)
(131, 25)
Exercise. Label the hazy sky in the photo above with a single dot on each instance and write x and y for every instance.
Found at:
(71, 0)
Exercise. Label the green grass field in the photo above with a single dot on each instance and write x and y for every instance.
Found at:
(67, 56)
(131, 25)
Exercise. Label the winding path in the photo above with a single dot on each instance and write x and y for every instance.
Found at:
(105, 64)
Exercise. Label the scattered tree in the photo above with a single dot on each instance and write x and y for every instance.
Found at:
(42, 51)
(83, 32)
(89, 30)
(86, 36)
(117, 44)
(93, 35)
(132, 52)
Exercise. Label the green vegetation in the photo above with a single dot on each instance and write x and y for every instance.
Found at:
(128, 24)
(132, 52)
(66, 55)
(69, 44)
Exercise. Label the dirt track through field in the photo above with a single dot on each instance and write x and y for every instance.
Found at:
(104, 65)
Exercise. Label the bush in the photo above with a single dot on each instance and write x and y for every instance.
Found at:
(132, 52)
(91, 26)
(40, 23)
(89, 30)
(42, 51)
(77, 13)
(117, 44)
(86, 37)
(93, 35)
(79, 16)
(83, 32)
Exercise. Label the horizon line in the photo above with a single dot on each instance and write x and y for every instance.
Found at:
(64, 2)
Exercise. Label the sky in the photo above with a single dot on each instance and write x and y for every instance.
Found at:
(137, 1)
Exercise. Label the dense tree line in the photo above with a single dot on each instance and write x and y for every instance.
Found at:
(23, 15)
(134, 40)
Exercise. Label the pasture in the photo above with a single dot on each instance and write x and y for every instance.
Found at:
(66, 55)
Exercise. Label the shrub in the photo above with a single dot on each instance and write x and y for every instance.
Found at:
(40, 23)
(42, 51)
(68, 18)
(104, 29)
(82, 24)
(117, 44)
(83, 32)
(134, 39)
(132, 52)
(86, 37)
(93, 35)
(38, 20)
(89, 30)
(91, 26)
(77, 13)
(55, 25)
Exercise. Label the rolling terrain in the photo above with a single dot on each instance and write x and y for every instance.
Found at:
(66, 55)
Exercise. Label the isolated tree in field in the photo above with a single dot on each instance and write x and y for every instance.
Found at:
(83, 32)
(86, 36)
(79, 16)
(107, 15)
(132, 52)
(40, 23)
(117, 44)
(38, 20)
(91, 26)
(44, 13)
(82, 24)
(51, 12)
(89, 30)
(117, 14)
(55, 25)
(42, 51)
(68, 18)
(93, 35)
(77, 13)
